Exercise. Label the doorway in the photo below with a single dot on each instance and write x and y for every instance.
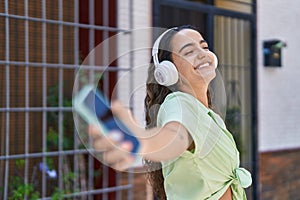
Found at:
(229, 27)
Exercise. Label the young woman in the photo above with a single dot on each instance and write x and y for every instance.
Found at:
(188, 150)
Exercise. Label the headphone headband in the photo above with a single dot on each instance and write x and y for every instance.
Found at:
(155, 47)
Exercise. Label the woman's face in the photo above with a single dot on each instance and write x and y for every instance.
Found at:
(194, 61)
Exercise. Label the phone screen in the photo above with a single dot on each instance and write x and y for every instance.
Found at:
(97, 104)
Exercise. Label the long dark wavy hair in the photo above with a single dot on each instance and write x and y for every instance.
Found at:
(155, 96)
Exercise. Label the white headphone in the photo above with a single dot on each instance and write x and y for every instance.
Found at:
(165, 72)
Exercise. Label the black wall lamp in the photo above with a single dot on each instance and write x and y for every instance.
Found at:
(272, 52)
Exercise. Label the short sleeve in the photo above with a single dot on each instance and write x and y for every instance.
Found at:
(185, 109)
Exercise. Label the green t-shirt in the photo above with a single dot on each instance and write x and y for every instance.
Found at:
(207, 172)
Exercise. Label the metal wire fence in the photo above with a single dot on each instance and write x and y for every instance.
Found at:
(42, 44)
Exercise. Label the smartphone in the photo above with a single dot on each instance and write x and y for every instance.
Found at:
(94, 108)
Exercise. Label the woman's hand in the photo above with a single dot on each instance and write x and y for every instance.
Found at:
(114, 153)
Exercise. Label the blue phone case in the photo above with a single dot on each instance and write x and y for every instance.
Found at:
(92, 105)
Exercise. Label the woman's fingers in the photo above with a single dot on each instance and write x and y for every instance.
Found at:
(123, 164)
(94, 131)
(118, 153)
(119, 110)
(119, 158)
(125, 115)
(114, 152)
(100, 142)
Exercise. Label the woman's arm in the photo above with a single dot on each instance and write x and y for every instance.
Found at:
(165, 143)
(157, 144)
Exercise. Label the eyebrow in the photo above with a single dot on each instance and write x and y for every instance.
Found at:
(191, 44)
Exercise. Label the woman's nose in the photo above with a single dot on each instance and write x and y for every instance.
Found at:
(202, 53)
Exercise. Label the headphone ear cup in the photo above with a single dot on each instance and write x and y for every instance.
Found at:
(166, 73)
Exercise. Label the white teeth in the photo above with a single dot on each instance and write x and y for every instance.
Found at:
(204, 65)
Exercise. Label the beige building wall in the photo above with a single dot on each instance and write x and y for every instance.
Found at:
(131, 85)
(134, 50)
(279, 88)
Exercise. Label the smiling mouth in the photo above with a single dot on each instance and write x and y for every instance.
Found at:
(202, 66)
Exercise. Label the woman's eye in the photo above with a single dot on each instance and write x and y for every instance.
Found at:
(189, 52)
(206, 48)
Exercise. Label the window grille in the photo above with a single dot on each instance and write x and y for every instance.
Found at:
(41, 48)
